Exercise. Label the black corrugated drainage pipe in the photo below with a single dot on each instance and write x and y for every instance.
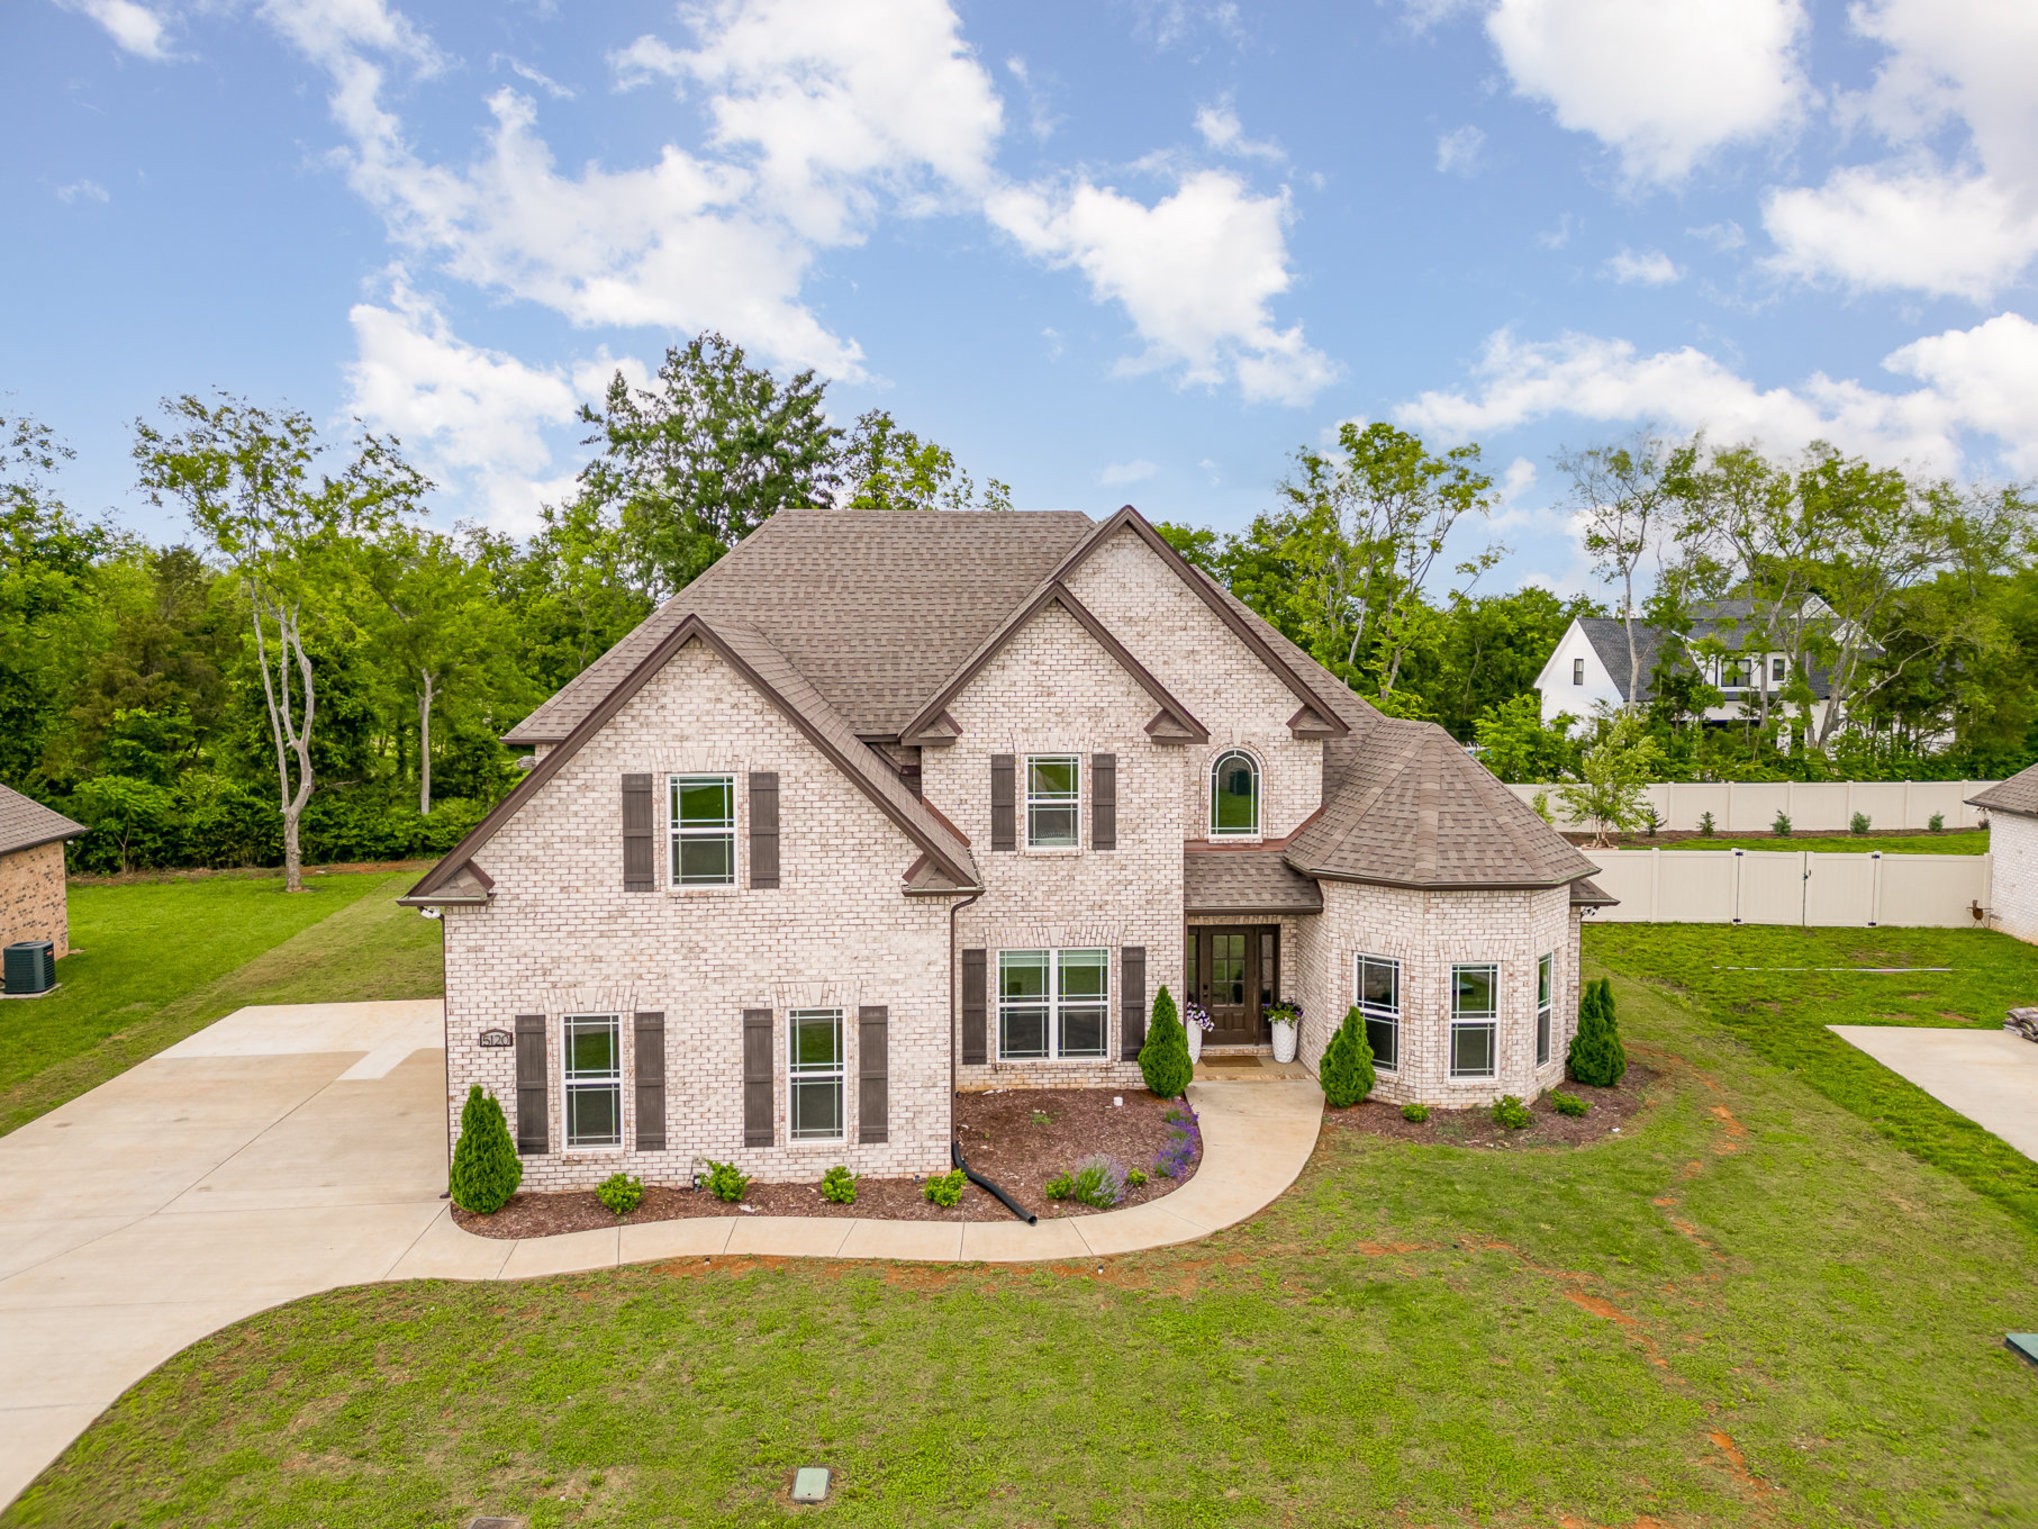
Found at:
(955, 1156)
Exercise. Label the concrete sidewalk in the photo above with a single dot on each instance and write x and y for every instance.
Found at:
(292, 1149)
(1990, 1076)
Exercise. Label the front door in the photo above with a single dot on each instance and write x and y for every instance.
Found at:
(1233, 973)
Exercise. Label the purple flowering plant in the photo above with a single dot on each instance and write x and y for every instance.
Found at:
(1287, 1011)
(1185, 1137)
(1193, 1013)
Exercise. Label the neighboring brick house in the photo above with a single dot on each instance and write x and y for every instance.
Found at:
(2013, 853)
(32, 900)
(886, 805)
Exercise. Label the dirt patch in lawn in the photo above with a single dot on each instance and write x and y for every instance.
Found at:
(1609, 1112)
(1018, 1138)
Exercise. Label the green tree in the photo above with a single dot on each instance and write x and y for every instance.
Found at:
(1164, 1059)
(486, 1168)
(1517, 745)
(1626, 495)
(1346, 1071)
(886, 467)
(1596, 1056)
(1609, 792)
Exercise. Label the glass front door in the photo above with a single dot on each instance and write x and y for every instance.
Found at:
(1233, 973)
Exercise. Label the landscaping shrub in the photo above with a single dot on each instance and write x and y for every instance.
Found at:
(620, 1193)
(1596, 1056)
(1858, 824)
(1652, 820)
(1134, 1177)
(1781, 827)
(1098, 1181)
(486, 1168)
(1567, 1104)
(1510, 1112)
(1164, 1059)
(945, 1189)
(1060, 1187)
(1706, 826)
(1415, 1113)
(725, 1181)
(1173, 1160)
(1936, 823)
(1346, 1071)
(838, 1186)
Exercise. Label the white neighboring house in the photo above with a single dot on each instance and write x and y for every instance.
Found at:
(1590, 665)
(2012, 807)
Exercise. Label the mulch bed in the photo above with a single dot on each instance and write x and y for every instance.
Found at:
(1019, 1138)
(1612, 1109)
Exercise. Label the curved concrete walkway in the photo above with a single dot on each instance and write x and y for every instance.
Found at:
(293, 1149)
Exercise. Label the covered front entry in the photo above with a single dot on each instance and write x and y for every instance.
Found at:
(1235, 973)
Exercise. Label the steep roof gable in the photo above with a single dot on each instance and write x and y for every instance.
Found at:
(945, 863)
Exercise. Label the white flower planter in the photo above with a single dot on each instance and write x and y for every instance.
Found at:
(1195, 1043)
(1284, 1041)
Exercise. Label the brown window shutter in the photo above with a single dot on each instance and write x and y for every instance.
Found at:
(650, 1060)
(973, 1006)
(873, 1094)
(758, 1122)
(1004, 829)
(1132, 1000)
(534, 1105)
(1103, 801)
(763, 830)
(639, 868)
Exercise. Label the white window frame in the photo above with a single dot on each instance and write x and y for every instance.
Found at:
(1379, 1013)
(1546, 1005)
(1259, 781)
(1071, 800)
(1577, 671)
(680, 833)
(1779, 668)
(804, 1075)
(572, 1083)
(1058, 1004)
(1488, 1020)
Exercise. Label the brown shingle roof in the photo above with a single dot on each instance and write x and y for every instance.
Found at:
(875, 608)
(1245, 881)
(1589, 894)
(2018, 794)
(26, 823)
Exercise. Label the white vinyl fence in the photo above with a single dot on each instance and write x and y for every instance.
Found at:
(1740, 807)
(1731, 886)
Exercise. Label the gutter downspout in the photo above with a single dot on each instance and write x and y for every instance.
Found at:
(955, 1156)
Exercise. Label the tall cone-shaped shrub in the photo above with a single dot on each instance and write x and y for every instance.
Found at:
(1596, 1056)
(1346, 1071)
(1164, 1059)
(486, 1168)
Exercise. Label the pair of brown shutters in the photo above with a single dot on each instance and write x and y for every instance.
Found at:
(873, 1081)
(1005, 801)
(640, 829)
(976, 1003)
(534, 1085)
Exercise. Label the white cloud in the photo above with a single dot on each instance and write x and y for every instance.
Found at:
(1138, 470)
(1664, 83)
(1978, 382)
(1725, 237)
(1168, 22)
(1870, 227)
(537, 77)
(1221, 129)
(1648, 268)
(83, 191)
(133, 27)
(1196, 273)
(1458, 150)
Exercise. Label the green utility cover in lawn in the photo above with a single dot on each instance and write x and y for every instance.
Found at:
(810, 1484)
(2024, 1344)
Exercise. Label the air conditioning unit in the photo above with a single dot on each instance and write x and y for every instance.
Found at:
(30, 967)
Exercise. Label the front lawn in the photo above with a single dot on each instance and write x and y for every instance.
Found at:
(155, 960)
(1749, 1308)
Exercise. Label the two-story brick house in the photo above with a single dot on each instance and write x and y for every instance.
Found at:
(887, 805)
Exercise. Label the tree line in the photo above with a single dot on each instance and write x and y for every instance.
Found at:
(316, 674)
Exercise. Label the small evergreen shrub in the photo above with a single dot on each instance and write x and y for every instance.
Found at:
(1346, 1071)
(1858, 824)
(726, 1182)
(1652, 820)
(1706, 826)
(486, 1168)
(620, 1193)
(1781, 826)
(1134, 1177)
(1164, 1059)
(1416, 1114)
(1098, 1182)
(838, 1186)
(1060, 1187)
(1936, 823)
(945, 1189)
(1596, 1056)
(1567, 1104)
(1510, 1112)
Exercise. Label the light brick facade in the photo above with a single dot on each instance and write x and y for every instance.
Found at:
(560, 936)
(32, 902)
(2013, 874)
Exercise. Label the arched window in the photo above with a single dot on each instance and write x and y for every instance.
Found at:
(1234, 795)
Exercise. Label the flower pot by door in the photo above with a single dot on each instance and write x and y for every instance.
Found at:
(1284, 1041)
(1195, 1042)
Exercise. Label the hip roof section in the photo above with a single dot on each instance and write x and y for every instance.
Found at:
(26, 824)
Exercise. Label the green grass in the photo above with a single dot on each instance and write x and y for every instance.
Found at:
(1965, 841)
(1413, 1335)
(156, 960)
(1782, 1014)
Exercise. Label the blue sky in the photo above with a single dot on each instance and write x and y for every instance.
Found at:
(1105, 252)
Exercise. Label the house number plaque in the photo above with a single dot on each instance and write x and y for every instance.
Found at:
(497, 1038)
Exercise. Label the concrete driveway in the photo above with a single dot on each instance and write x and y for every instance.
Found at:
(1990, 1076)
